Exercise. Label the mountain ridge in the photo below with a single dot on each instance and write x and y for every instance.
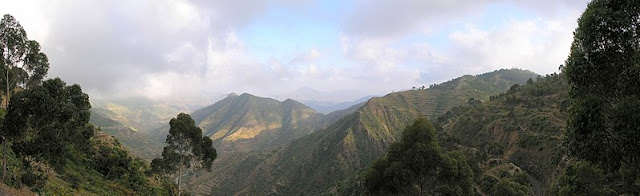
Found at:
(319, 162)
(247, 122)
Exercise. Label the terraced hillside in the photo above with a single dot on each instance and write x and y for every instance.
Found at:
(320, 162)
(521, 130)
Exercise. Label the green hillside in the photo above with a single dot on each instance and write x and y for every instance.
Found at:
(513, 142)
(247, 123)
(520, 131)
(138, 143)
(319, 162)
(113, 171)
(241, 162)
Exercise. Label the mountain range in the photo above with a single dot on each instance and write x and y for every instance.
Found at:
(324, 159)
(325, 102)
(138, 113)
(268, 146)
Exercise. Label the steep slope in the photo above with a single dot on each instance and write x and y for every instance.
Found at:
(240, 163)
(319, 162)
(96, 173)
(138, 143)
(247, 122)
(521, 129)
(335, 116)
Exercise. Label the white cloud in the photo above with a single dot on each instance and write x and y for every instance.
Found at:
(536, 45)
(395, 18)
(377, 33)
(172, 49)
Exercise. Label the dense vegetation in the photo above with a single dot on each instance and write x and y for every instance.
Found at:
(320, 162)
(514, 141)
(416, 165)
(48, 144)
(604, 74)
(507, 132)
(603, 70)
(53, 149)
(22, 62)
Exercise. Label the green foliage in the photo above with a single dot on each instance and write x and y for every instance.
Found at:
(582, 178)
(326, 158)
(603, 70)
(22, 64)
(14, 164)
(516, 186)
(35, 174)
(523, 127)
(50, 121)
(46, 124)
(107, 170)
(416, 165)
(185, 146)
(186, 149)
(115, 164)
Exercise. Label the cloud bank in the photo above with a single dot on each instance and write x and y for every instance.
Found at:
(185, 51)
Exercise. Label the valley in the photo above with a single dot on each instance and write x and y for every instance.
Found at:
(257, 138)
(334, 98)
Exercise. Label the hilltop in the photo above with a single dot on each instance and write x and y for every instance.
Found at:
(247, 122)
(319, 162)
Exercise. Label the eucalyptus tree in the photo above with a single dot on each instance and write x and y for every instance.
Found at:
(22, 63)
(186, 149)
(603, 71)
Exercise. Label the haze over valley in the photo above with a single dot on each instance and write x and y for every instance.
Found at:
(277, 97)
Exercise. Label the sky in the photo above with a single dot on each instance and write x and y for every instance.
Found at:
(198, 50)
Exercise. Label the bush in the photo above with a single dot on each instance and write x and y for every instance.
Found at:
(507, 186)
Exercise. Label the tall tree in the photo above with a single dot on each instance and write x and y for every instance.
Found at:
(186, 149)
(416, 165)
(603, 71)
(22, 63)
(47, 120)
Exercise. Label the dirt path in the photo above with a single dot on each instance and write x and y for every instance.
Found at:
(535, 186)
(6, 190)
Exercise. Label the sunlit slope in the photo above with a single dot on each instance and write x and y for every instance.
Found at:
(247, 122)
(317, 163)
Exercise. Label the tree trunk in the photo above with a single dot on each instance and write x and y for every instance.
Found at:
(180, 172)
(4, 161)
(6, 105)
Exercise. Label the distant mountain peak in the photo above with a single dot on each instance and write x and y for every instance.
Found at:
(249, 122)
(290, 101)
(326, 158)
